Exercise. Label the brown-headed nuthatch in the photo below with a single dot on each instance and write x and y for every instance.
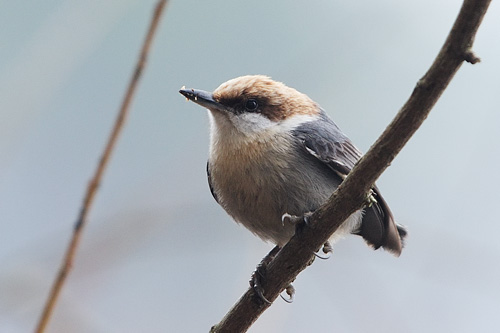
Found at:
(274, 152)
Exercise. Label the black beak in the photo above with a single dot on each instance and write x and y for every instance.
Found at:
(203, 98)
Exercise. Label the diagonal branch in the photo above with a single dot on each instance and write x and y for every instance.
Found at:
(96, 179)
(351, 194)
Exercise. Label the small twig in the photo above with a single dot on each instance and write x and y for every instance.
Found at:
(96, 179)
(351, 194)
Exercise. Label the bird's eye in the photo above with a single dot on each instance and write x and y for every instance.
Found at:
(251, 105)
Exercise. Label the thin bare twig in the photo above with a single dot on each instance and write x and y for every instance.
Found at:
(96, 179)
(351, 195)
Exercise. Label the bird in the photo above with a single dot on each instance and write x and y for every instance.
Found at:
(275, 156)
(275, 153)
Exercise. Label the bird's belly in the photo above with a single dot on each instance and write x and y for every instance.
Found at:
(257, 195)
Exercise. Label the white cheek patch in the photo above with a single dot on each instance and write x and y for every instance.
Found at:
(256, 123)
(293, 122)
(251, 123)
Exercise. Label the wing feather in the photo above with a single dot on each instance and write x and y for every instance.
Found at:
(326, 142)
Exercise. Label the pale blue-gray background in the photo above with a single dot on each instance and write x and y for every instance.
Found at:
(159, 255)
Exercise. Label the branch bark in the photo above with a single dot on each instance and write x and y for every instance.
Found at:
(98, 174)
(352, 193)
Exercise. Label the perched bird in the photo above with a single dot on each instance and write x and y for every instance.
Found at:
(274, 151)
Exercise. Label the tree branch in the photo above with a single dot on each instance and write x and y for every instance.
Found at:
(351, 194)
(96, 179)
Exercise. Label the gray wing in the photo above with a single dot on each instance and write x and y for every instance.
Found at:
(326, 142)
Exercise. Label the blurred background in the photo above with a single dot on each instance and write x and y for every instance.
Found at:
(159, 255)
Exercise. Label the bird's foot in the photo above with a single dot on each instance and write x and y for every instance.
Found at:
(290, 291)
(259, 275)
(256, 283)
(300, 221)
(370, 198)
(327, 249)
(296, 220)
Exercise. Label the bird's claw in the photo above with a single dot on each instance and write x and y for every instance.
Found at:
(290, 291)
(291, 219)
(370, 198)
(256, 284)
(260, 273)
(327, 249)
(294, 219)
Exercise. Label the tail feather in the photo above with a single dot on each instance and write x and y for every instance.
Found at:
(379, 229)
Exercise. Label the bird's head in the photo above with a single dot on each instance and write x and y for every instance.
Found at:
(253, 105)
